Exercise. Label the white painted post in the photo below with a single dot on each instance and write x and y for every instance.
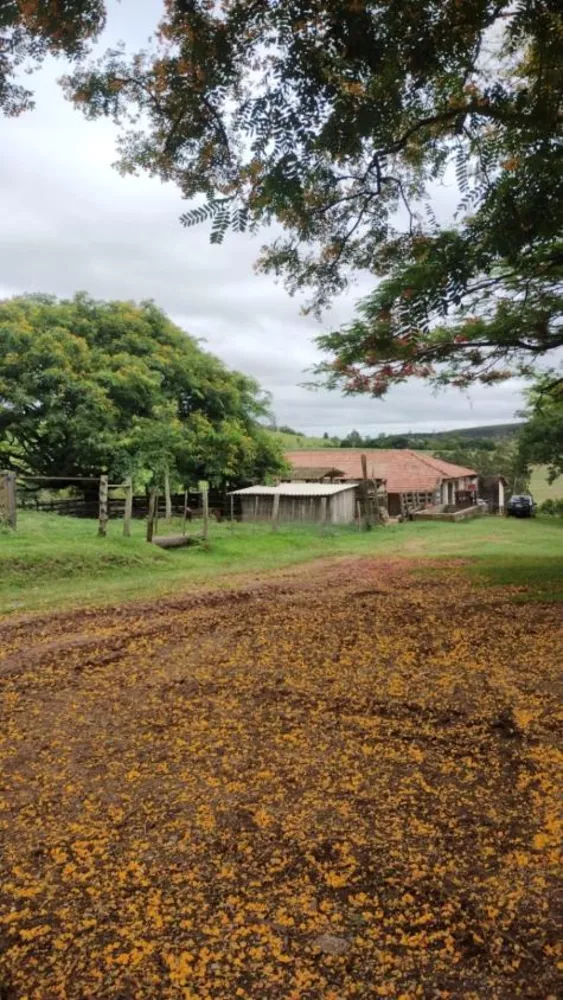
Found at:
(500, 496)
(444, 491)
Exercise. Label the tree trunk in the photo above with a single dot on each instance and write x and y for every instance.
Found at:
(150, 515)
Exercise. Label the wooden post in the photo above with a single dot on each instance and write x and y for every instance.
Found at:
(150, 515)
(275, 511)
(367, 511)
(167, 496)
(8, 512)
(255, 510)
(185, 514)
(232, 512)
(376, 502)
(156, 503)
(103, 514)
(128, 512)
(205, 501)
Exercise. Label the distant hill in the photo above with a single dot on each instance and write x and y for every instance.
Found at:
(494, 432)
(295, 440)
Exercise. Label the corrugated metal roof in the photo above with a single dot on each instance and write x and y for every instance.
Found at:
(295, 490)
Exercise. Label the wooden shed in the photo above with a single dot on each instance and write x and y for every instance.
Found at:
(493, 489)
(299, 503)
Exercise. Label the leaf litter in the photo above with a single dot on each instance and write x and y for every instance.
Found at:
(344, 783)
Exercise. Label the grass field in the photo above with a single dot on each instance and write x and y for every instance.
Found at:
(298, 442)
(53, 561)
(540, 488)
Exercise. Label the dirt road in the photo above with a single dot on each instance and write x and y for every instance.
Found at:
(339, 784)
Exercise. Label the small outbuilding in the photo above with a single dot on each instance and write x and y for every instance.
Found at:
(319, 503)
(493, 489)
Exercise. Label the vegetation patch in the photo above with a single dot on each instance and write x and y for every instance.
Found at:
(529, 578)
(81, 568)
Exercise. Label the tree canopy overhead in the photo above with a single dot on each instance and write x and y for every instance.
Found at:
(31, 29)
(89, 386)
(340, 119)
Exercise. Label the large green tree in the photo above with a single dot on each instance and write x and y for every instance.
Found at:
(87, 386)
(541, 439)
(503, 459)
(340, 119)
(32, 29)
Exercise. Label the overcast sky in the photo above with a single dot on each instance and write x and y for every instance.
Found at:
(69, 222)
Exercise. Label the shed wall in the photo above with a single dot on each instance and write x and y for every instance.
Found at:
(340, 508)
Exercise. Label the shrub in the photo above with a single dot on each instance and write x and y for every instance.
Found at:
(552, 507)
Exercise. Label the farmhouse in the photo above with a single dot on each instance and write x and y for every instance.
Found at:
(328, 503)
(412, 479)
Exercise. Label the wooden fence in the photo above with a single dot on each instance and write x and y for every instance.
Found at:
(78, 507)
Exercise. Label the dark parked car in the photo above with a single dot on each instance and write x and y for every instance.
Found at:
(521, 506)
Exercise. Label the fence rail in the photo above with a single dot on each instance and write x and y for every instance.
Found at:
(79, 507)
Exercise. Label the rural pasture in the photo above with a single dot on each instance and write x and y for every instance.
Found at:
(339, 780)
(54, 562)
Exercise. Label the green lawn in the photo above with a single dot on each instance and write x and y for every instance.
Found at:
(53, 561)
(540, 488)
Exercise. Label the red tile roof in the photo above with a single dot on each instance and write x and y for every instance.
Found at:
(403, 469)
(447, 469)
